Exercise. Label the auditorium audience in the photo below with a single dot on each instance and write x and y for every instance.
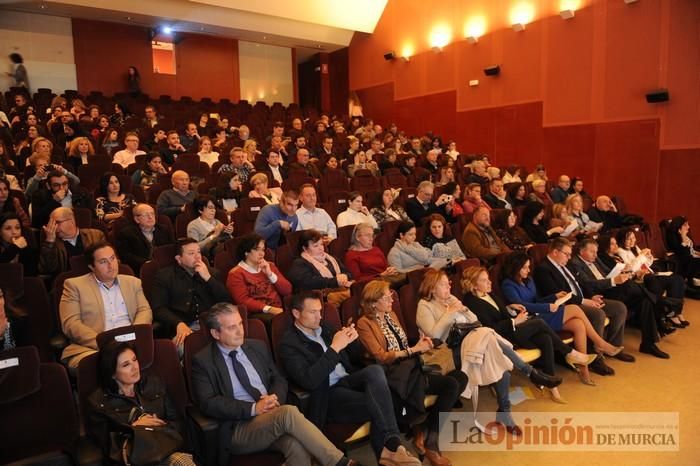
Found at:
(422, 206)
(561, 191)
(388, 210)
(366, 261)
(574, 206)
(472, 199)
(304, 164)
(135, 241)
(206, 229)
(238, 164)
(438, 238)
(228, 191)
(539, 174)
(680, 243)
(17, 244)
(532, 223)
(605, 212)
(172, 148)
(512, 175)
(58, 191)
(10, 203)
(496, 198)
(479, 175)
(206, 154)
(539, 193)
(150, 172)
(505, 223)
(127, 156)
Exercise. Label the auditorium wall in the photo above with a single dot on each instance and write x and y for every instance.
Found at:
(570, 93)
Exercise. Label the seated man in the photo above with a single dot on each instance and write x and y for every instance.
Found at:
(299, 143)
(302, 163)
(173, 201)
(478, 174)
(98, 301)
(180, 292)
(190, 140)
(480, 239)
(276, 219)
(314, 218)
(151, 118)
(172, 149)
(58, 192)
(560, 192)
(238, 164)
(135, 243)
(552, 276)
(235, 381)
(606, 213)
(430, 162)
(496, 198)
(591, 273)
(317, 358)
(422, 205)
(126, 157)
(63, 240)
(279, 172)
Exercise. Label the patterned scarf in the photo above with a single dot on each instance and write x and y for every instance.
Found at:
(322, 266)
(391, 329)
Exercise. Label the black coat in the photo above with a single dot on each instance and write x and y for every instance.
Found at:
(416, 212)
(550, 281)
(304, 275)
(43, 204)
(498, 319)
(133, 247)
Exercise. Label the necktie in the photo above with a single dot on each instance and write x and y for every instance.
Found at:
(243, 376)
(572, 282)
(596, 272)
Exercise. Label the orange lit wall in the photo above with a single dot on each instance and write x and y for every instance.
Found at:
(570, 93)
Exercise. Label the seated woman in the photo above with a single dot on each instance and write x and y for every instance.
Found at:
(9, 203)
(539, 174)
(539, 193)
(331, 162)
(228, 191)
(206, 154)
(79, 150)
(250, 147)
(360, 163)
(356, 212)
(506, 225)
(151, 170)
(111, 199)
(207, 229)
(408, 254)
(680, 242)
(366, 261)
(453, 207)
(439, 239)
(577, 188)
(624, 246)
(259, 183)
(561, 218)
(574, 205)
(532, 224)
(256, 283)
(447, 175)
(519, 288)
(314, 269)
(127, 398)
(513, 324)
(517, 195)
(512, 175)
(389, 210)
(438, 310)
(16, 244)
(473, 200)
(110, 141)
(381, 334)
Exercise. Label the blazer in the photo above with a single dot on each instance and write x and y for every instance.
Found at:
(304, 275)
(53, 258)
(308, 366)
(133, 247)
(550, 281)
(498, 319)
(477, 245)
(494, 202)
(416, 212)
(82, 310)
(588, 282)
(43, 204)
(213, 392)
(374, 340)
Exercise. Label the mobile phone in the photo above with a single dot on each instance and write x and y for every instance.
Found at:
(349, 322)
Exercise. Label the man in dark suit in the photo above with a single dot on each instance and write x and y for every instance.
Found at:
(135, 243)
(551, 276)
(235, 381)
(560, 192)
(317, 358)
(422, 204)
(58, 193)
(591, 273)
(496, 197)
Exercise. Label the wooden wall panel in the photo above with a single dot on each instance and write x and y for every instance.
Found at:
(679, 172)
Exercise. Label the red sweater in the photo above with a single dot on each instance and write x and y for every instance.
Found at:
(365, 265)
(254, 290)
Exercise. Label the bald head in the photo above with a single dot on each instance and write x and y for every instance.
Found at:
(482, 216)
(603, 203)
(66, 227)
(181, 181)
(564, 182)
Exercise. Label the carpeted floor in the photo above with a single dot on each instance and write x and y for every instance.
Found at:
(649, 385)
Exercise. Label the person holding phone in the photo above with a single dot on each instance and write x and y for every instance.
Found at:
(209, 231)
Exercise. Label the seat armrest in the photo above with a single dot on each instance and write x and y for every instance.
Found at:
(88, 453)
(204, 434)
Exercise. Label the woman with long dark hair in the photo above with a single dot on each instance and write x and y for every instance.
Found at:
(111, 199)
(133, 85)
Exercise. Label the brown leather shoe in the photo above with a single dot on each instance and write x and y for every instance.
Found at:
(400, 457)
(436, 459)
(419, 440)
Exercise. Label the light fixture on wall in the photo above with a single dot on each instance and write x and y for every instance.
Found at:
(406, 59)
(472, 39)
(567, 14)
(517, 27)
(390, 55)
(407, 51)
(629, 2)
(166, 30)
(493, 70)
(439, 37)
(520, 15)
(475, 28)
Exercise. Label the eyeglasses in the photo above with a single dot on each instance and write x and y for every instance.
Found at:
(567, 254)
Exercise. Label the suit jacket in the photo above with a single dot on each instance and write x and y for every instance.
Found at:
(550, 281)
(498, 319)
(213, 392)
(133, 247)
(54, 256)
(416, 212)
(584, 276)
(476, 244)
(494, 202)
(43, 204)
(308, 366)
(82, 310)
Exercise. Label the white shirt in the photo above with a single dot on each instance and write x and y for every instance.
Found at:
(125, 158)
(317, 219)
(210, 158)
(353, 217)
(116, 313)
(276, 173)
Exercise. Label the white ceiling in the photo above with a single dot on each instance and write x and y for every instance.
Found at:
(310, 26)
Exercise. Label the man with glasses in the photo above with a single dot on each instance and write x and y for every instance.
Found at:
(58, 193)
(99, 301)
(553, 277)
(126, 157)
(136, 242)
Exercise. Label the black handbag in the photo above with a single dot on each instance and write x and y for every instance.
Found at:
(147, 446)
(458, 331)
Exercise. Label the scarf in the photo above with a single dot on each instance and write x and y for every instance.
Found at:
(322, 267)
(392, 331)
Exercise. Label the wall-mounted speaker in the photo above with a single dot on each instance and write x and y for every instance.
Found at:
(493, 70)
(659, 95)
(390, 55)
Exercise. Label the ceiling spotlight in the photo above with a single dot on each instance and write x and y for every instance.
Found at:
(406, 59)
(517, 27)
(567, 14)
(472, 39)
(167, 30)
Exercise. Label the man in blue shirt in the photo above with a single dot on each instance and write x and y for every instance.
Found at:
(276, 219)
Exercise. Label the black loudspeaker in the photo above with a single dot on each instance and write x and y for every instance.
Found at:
(660, 95)
(493, 70)
(390, 55)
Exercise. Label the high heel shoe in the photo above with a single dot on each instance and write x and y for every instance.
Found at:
(616, 350)
(554, 396)
(675, 322)
(575, 357)
(586, 380)
(666, 329)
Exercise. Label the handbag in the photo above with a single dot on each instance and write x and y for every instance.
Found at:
(145, 446)
(458, 331)
(438, 360)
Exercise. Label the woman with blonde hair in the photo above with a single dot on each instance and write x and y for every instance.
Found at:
(259, 183)
(206, 154)
(380, 331)
(250, 147)
(79, 149)
(574, 206)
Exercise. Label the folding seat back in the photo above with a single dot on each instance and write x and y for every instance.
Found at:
(246, 214)
(34, 396)
(394, 179)
(537, 253)
(332, 181)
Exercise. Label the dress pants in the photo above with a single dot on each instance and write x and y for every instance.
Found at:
(614, 310)
(640, 301)
(285, 430)
(535, 333)
(365, 396)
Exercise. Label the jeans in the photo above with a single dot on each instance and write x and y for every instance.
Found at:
(510, 353)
